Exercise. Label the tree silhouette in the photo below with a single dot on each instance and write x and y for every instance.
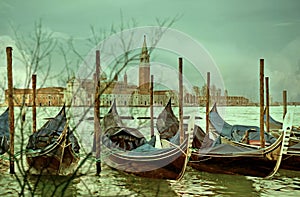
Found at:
(36, 52)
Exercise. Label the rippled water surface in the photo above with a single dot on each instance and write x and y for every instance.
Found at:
(112, 182)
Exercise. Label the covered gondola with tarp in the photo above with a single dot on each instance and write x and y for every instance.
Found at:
(53, 149)
(240, 133)
(227, 156)
(127, 150)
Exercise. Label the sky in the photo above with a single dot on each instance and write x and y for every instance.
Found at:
(235, 33)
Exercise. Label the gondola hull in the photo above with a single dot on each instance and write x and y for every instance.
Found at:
(57, 160)
(53, 149)
(292, 159)
(124, 151)
(247, 166)
(168, 163)
(232, 157)
(235, 158)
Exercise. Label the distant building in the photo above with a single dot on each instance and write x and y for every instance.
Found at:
(80, 92)
(50, 96)
(216, 97)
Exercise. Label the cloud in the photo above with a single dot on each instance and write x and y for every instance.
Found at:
(283, 24)
(57, 34)
(284, 71)
(18, 66)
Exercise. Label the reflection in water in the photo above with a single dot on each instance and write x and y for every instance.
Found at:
(51, 186)
(148, 187)
(110, 183)
(196, 183)
(114, 183)
(284, 183)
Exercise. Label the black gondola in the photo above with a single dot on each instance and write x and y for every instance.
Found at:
(53, 149)
(127, 150)
(227, 156)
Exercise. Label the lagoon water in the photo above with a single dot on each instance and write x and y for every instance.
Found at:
(114, 183)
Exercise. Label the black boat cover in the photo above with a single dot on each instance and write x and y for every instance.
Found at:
(50, 132)
(167, 123)
(236, 132)
(4, 132)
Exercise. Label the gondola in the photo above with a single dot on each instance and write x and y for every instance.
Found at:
(246, 134)
(4, 132)
(276, 128)
(292, 158)
(4, 138)
(167, 125)
(228, 156)
(127, 150)
(274, 124)
(53, 149)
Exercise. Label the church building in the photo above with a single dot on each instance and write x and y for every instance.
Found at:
(81, 92)
(144, 69)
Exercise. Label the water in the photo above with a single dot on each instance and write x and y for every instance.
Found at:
(112, 182)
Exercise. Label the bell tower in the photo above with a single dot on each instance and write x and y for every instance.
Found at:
(144, 69)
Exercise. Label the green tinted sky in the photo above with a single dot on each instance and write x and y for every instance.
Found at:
(236, 33)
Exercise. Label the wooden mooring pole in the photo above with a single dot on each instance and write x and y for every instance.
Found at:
(33, 83)
(284, 95)
(97, 129)
(11, 109)
(261, 103)
(180, 101)
(151, 107)
(207, 101)
(267, 105)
